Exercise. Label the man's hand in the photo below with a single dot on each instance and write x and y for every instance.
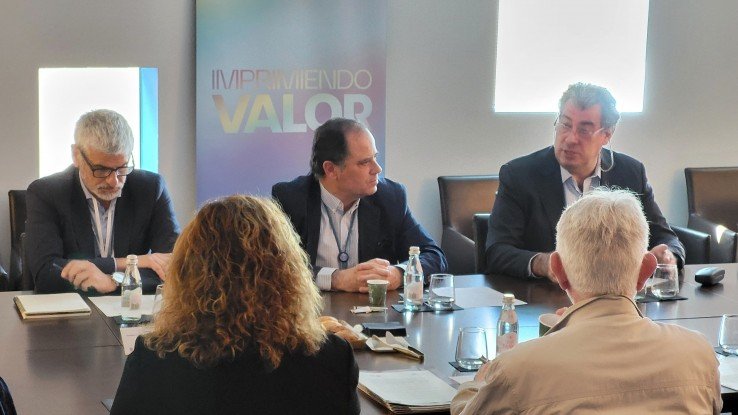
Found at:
(84, 274)
(541, 266)
(155, 261)
(663, 255)
(354, 279)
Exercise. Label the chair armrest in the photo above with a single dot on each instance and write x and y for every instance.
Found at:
(4, 280)
(480, 225)
(696, 244)
(459, 251)
(723, 241)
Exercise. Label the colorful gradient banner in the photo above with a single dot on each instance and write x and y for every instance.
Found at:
(270, 72)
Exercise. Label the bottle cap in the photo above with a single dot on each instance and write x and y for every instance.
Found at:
(508, 298)
(414, 250)
(132, 259)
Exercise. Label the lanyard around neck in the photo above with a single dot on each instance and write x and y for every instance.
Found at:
(343, 255)
(103, 241)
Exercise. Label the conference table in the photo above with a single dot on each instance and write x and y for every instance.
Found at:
(68, 366)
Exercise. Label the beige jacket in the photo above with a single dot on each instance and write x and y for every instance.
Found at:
(602, 357)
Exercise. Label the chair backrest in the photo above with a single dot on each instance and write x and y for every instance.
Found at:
(712, 192)
(17, 208)
(481, 223)
(696, 244)
(462, 197)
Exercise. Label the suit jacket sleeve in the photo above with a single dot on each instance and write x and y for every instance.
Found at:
(44, 244)
(494, 395)
(506, 230)
(412, 233)
(660, 231)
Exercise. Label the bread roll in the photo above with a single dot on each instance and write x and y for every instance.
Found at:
(348, 335)
(325, 319)
(333, 326)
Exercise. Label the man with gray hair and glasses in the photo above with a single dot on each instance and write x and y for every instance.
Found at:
(84, 221)
(535, 189)
(603, 355)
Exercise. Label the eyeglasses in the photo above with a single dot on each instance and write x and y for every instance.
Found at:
(104, 172)
(584, 133)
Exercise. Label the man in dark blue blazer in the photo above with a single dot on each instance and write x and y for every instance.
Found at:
(353, 224)
(84, 221)
(535, 189)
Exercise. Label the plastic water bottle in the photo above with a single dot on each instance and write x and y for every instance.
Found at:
(507, 325)
(131, 291)
(413, 290)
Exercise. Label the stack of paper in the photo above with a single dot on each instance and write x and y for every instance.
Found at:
(407, 391)
(41, 306)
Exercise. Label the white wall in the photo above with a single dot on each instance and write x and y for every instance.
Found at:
(440, 68)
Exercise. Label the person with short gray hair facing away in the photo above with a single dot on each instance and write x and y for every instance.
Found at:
(603, 355)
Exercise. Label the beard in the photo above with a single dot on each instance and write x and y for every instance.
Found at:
(108, 193)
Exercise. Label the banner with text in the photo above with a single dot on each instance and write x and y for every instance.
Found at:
(269, 73)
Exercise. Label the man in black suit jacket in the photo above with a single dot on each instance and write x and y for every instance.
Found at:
(83, 222)
(353, 224)
(535, 189)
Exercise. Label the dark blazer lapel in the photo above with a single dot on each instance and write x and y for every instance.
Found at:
(122, 223)
(82, 220)
(551, 189)
(369, 229)
(312, 221)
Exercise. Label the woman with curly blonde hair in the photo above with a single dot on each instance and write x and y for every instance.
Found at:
(239, 329)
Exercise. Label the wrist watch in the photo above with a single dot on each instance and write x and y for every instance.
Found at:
(117, 277)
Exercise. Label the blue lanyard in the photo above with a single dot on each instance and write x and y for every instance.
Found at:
(343, 255)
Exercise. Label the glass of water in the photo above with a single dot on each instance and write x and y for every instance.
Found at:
(665, 281)
(728, 339)
(471, 348)
(442, 293)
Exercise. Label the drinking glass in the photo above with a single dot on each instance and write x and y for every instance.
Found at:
(728, 339)
(442, 293)
(377, 292)
(158, 298)
(471, 348)
(665, 281)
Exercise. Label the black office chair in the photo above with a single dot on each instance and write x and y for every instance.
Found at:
(481, 224)
(712, 200)
(7, 407)
(461, 198)
(17, 210)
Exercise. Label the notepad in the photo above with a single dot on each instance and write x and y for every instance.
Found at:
(41, 306)
(407, 391)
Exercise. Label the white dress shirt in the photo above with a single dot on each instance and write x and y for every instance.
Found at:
(328, 250)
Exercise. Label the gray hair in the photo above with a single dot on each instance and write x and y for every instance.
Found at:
(601, 239)
(587, 95)
(104, 130)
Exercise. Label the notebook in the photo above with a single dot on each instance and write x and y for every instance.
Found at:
(407, 391)
(41, 306)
